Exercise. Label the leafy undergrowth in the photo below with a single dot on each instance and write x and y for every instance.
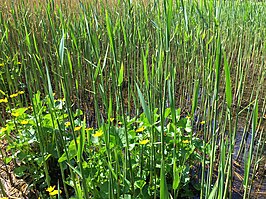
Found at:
(63, 156)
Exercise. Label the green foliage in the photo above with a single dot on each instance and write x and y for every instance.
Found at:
(25, 145)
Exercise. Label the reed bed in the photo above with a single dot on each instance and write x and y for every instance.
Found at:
(134, 99)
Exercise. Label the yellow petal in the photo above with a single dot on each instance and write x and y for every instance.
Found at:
(202, 122)
(21, 92)
(2, 64)
(112, 119)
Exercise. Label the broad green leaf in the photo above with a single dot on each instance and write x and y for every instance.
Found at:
(121, 75)
(72, 152)
(144, 105)
(228, 89)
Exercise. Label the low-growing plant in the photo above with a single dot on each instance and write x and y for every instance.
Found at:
(31, 128)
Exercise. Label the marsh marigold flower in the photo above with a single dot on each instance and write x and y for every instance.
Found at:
(54, 192)
(3, 129)
(50, 189)
(4, 100)
(67, 124)
(140, 129)
(98, 133)
(15, 114)
(13, 95)
(143, 142)
(24, 122)
(77, 128)
(185, 141)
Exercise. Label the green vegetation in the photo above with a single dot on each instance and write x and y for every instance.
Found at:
(160, 99)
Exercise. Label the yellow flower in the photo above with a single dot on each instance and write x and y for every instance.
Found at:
(120, 123)
(185, 141)
(98, 133)
(67, 124)
(15, 114)
(112, 119)
(13, 95)
(4, 100)
(3, 129)
(4, 198)
(89, 129)
(2, 64)
(202, 122)
(188, 117)
(24, 122)
(140, 129)
(77, 128)
(144, 141)
(18, 63)
(21, 92)
(54, 192)
(50, 189)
